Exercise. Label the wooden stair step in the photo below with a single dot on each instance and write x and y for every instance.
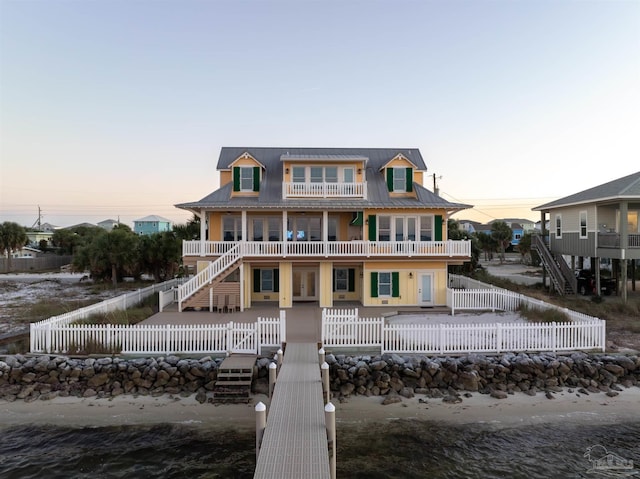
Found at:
(233, 383)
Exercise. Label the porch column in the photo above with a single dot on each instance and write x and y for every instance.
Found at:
(203, 230)
(284, 225)
(325, 231)
(243, 220)
(624, 245)
(241, 287)
(326, 284)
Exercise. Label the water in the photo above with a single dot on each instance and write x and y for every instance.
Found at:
(400, 449)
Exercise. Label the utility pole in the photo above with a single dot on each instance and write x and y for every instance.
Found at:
(436, 190)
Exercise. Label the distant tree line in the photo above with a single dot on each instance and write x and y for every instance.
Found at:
(119, 253)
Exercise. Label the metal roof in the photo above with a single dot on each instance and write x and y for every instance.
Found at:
(627, 187)
(270, 195)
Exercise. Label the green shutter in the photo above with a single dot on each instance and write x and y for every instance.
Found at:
(438, 226)
(352, 280)
(374, 285)
(333, 280)
(395, 284)
(409, 180)
(256, 280)
(256, 178)
(276, 280)
(372, 228)
(390, 179)
(236, 178)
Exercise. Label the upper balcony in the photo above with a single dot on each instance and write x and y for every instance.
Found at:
(324, 190)
(331, 249)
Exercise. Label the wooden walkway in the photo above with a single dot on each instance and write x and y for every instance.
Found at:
(294, 444)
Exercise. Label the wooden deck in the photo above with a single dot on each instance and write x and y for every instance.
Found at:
(294, 444)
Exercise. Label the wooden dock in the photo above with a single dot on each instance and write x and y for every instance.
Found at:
(294, 444)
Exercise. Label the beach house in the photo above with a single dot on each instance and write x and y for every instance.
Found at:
(325, 225)
(597, 223)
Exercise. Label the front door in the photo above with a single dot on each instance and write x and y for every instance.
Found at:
(425, 289)
(305, 285)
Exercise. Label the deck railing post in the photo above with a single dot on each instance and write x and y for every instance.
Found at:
(261, 424)
(330, 420)
(279, 359)
(325, 382)
(273, 371)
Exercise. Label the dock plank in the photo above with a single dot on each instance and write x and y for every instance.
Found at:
(294, 444)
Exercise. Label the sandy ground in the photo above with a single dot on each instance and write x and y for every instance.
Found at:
(480, 409)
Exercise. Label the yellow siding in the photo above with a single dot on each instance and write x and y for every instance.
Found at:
(326, 293)
(225, 177)
(286, 280)
(215, 226)
(408, 285)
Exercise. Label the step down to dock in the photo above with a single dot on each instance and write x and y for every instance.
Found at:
(233, 383)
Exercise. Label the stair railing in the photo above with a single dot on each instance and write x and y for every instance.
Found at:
(207, 275)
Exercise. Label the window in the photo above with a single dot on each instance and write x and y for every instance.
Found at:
(384, 284)
(558, 226)
(232, 228)
(399, 179)
(298, 174)
(246, 179)
(266, 280)
(384, 228)
(583, 224)
(257, 230)
(315, 173)
(331, 174)
(347, 175)
(341, 279)
(275, 229)
(333, 229)
(426, 228)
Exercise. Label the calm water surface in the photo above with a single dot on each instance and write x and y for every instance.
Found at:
(399, 449)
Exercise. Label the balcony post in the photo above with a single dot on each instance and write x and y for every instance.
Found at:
(284, 228)
(325, 232)
(243, 221)
(203, 231)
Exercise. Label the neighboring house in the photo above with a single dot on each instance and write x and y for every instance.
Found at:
(35, 237)
(598, 223)
(519, 227)
(24, 252)
(151, 224)
(108, 224)
(322, 224)
(469, 226)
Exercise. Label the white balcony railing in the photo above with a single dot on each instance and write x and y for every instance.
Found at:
(324, 190)
(317, 249)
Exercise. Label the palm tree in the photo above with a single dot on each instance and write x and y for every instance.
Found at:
(12, 238)
(501, 232)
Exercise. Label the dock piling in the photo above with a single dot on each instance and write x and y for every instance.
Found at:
(261, 424)
(325, 382)
(330, 420)
(273, 371)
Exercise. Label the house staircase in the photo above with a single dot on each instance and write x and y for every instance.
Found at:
(196, 292)
(562, 278)
(233, 383)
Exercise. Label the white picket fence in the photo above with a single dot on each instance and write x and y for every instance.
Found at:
(477, 296)
(225, 338)
(345, 329)
(58, 335)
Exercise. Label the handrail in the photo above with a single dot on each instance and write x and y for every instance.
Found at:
(558, 276)
(208, 274)
(330, 248)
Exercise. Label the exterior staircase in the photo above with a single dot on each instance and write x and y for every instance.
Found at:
(563, 279)
(193, 292)
(233, 383)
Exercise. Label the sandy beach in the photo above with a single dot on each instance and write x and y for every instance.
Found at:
(516, 409)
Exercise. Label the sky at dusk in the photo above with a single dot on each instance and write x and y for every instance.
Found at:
(118, 109)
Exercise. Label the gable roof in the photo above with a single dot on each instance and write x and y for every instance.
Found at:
(627, 187)
(154, 218)
(270, 195)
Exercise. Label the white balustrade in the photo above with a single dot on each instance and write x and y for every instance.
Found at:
(324, 190)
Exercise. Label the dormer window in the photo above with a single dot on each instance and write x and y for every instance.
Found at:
(246, 178)
(400, 180)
